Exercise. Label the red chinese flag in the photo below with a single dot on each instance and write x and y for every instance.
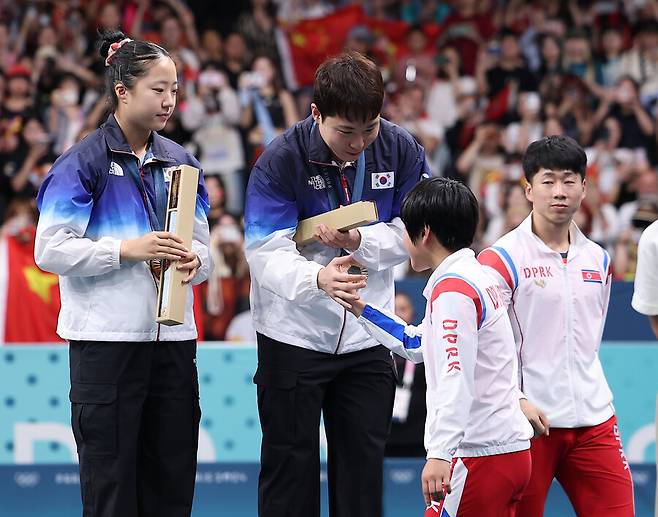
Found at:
(32, 296)
(394, 30)
(308, 43)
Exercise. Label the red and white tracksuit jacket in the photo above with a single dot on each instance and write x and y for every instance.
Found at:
(467, 344)
(557, 310)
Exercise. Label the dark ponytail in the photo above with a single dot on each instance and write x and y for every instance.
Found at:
(127, 63)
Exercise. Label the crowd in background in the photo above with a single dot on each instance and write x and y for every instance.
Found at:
(474, 81)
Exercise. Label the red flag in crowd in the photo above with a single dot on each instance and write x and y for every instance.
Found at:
(307, 43)
(29, 297)
(503, 102)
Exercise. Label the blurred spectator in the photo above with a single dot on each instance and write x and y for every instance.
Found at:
(211, 51)
(622, 104)
(419, 11)
(501, 64)
(550, 50)
(511, 212)
(409, 112)
(173, 35)
(227, 290)
(416, 65)
(258, 29)
(23, 168)
(626, 248)
(467, 28)
(482, 161)
(268, 109)
(441, 101)
(212, 113)
(596, 218)
(578, 58)
(235, 58)
(643, 185)
(65, 116)
(641, 61)
(291, 11)
(610, 63)
(519, 135)
(216, 199)
(18, 103)
(469, 117)
(361, 39)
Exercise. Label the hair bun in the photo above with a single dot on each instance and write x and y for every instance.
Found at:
(107, 37)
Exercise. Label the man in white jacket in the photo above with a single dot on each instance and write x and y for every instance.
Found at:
(556, 284)
(476, 436)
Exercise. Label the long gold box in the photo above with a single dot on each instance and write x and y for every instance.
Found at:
(343, 218)
(181, 205)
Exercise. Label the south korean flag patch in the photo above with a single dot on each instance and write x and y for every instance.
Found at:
(382, 180)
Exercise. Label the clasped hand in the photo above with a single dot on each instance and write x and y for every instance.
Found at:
(161, 246)
(342, 286)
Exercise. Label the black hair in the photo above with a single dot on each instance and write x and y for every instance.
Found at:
(647, 25)
(630, 79)
(557, 152)
(578, 33)
(350, 86)
(446, 207)
(505, 33)
(417, 27)
(129, 63)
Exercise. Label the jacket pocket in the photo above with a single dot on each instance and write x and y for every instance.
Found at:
(94, 418)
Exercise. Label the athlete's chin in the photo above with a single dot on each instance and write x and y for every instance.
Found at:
(158, 124)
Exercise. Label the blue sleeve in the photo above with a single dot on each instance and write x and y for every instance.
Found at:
(413, 166)
(270, 200)
(66, 194)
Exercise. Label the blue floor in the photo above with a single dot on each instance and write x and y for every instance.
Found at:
(230, 490)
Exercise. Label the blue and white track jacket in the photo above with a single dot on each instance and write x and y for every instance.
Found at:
(286, 186)
(88, 204)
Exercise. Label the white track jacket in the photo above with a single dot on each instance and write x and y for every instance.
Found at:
(467, 344)
(557, 312)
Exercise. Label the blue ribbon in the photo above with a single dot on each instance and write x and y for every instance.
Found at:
(157, 215)
(360, 177)
(358, 180)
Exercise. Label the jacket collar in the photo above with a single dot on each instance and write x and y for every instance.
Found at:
(576, 238)
(443, 268)
(117, 142)
(318, 151)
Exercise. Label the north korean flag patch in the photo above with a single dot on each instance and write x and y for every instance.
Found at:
(590, 275)
(381, 180)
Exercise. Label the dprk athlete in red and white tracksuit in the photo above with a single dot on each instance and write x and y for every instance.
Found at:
(474, 418)
(557, 306)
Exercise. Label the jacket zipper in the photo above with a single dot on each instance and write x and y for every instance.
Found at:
(342, 329)
(155, 283)
(141, 177)
(569, 332)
